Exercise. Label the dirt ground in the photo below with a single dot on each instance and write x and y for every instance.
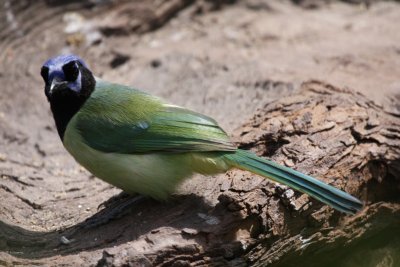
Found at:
(223, 59)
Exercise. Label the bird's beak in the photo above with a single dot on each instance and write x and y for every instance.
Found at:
(56, 82)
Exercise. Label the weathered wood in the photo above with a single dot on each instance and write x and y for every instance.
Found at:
(334, 134)
(346, 140)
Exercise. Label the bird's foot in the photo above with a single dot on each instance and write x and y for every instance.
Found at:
(115, 200)
(115, 208)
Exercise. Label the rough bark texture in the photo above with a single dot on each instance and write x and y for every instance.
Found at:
(225, 61)
(345, 140)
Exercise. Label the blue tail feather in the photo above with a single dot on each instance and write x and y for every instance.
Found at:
(325, 193)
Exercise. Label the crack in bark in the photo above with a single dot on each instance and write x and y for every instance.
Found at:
(16, 179)
(27, 201)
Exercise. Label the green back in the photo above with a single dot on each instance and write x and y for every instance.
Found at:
(121, 119)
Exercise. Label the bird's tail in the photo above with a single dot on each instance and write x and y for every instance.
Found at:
(327, 194)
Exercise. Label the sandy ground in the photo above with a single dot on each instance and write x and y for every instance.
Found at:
(225, 63)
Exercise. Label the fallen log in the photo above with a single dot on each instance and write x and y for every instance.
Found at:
(334, 134)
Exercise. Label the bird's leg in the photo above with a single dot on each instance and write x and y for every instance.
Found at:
(115, 208)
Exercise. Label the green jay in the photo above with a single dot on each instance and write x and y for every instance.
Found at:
(143, 145)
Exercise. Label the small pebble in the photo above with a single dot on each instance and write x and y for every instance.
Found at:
(65, 241)
(190, 231)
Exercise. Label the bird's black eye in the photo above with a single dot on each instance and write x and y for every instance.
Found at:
(71, 71)
(45, 73)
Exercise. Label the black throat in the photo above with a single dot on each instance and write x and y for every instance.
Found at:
(65, 103)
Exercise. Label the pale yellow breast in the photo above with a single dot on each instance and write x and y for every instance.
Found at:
(155, 175)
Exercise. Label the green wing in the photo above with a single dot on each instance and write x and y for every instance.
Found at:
(124, 120)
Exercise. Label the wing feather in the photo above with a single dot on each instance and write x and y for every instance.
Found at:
(133, 122)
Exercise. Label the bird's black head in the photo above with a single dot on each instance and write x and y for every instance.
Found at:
(68, 84)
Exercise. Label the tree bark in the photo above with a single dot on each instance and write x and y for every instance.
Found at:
(334, 134)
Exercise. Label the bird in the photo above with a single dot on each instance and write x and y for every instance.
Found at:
(144, 145)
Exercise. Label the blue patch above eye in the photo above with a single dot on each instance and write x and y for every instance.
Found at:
(62, 60)
(56, 73)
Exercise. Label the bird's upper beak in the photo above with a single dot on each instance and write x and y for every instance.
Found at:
(56, 81)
